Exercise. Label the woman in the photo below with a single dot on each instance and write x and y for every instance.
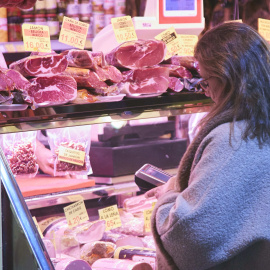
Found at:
(215, 213)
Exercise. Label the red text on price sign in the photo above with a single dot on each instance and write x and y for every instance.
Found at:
(111, 216)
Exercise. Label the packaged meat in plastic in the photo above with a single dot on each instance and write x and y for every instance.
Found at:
(136, 254)
(81, 234)
(137, 54)
(91, 252)
(72, 264)
(138, 203)
(110, 264)
(19, 149)
(71, 147)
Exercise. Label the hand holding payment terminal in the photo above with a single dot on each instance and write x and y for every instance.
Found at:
(149, 176)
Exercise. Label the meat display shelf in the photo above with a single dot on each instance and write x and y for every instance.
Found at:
(96, 113)
(68, 197)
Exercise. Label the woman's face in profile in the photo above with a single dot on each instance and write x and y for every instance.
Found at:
(211, 85)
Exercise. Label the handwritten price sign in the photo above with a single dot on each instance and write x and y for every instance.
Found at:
(147, 219)
(123, 29)
(264, 28)
(73, 33)
(76, 213)
(111, 216)
(187, 44)
(171, 40)
(36, 38)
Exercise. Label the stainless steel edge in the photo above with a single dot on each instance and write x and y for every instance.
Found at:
(23, 215)
(80, 194)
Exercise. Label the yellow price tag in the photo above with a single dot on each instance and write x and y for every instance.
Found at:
(187, 44)
(73, 32)
(171, 40)
(70, 155)
(76, 213)
(111, 216)
(37, 226)
(264, 28)
(36, 38)
(147, 219)
(75, 198)
(123, 29)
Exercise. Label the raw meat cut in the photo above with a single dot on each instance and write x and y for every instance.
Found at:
(109, 73)
(110, 264)
(91, 252)
(52, 90)
(178, 71)
(137, 54)
(91, 81)
(12, 79)
(41, 65)
(188, 62)
(153, 80)
(84, 96)
(99, 58)
(176, 84)
(72, 264)
(75, 71)
(79, 58)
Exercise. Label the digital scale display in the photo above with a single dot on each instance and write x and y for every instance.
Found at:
(157, 174)
(176, 8)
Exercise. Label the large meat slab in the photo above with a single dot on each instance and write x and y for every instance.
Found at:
(52, 90)
(137, 54)
(41, 65)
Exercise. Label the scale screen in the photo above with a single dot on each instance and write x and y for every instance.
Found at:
(155, 173)
(175, 8)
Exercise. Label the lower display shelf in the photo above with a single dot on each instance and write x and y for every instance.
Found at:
(70, 196)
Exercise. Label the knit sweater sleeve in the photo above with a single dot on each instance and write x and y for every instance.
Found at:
(213, 219)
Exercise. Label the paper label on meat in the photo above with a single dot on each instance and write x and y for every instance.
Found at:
(76, 214)
(73, 32)
(264, 28)
(38, 228)
(123, 29)
(70, 155)
(171, 40)
(36, 38)
(187, 44)
(111, 216)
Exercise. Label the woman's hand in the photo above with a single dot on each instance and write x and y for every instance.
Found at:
(44, 158)
(160, 190)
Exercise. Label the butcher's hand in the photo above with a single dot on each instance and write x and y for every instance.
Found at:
(160, 190)
(44, 158)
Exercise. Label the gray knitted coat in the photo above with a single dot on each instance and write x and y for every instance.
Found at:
(218, 216)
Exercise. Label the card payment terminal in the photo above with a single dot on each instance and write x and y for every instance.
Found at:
(149, 176)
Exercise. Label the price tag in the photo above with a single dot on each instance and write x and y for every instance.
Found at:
(123, 29)
(73, 32)
(264, 28)
(37, 226)
(75, 198)
(76, 214)
(147, 219)
(171, 40)
(187, 44)
(111, 216)
(70, 155)
(36, 38)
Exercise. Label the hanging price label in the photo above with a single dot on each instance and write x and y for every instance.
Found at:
(147, 219)
(264, 28)
(36, 38)
(70, 155)
(123, 29)
(111, 216)
(187, 44)
(171, 40)
(38, 228)
(76, 214)
(73, 32)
